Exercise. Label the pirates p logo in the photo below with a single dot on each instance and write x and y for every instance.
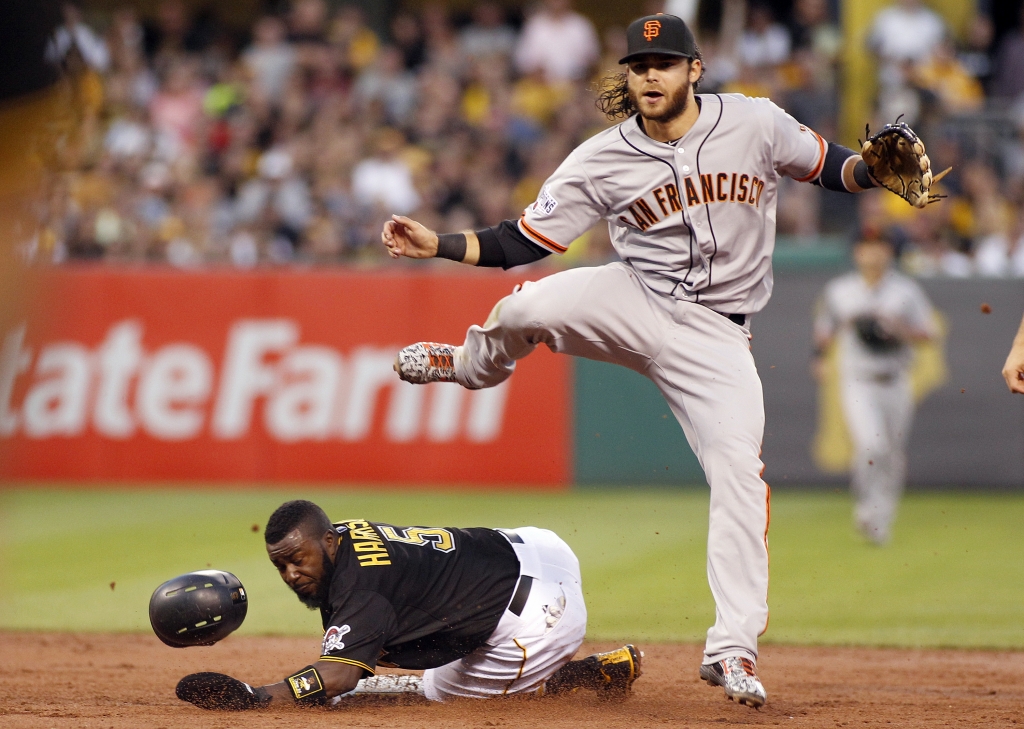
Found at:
(651, 29)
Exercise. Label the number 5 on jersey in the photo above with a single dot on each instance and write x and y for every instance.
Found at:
(441, 539)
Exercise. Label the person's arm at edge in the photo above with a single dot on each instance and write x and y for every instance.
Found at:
(1013, 370)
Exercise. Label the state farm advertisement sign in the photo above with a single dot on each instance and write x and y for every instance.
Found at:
(267, 376)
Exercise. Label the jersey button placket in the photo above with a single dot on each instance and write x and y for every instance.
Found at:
(685, 168)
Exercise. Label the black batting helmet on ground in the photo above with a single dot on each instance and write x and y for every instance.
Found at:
(197, 608)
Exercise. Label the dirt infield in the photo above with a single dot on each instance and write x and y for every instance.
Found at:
(120, 681)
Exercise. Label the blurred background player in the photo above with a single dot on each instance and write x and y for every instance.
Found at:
(874, 314)
(486, 612)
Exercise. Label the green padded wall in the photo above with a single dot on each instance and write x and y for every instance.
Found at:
(625, 432)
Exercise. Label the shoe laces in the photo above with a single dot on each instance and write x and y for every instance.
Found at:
(441, 361)
(747, 665)
(439, 358)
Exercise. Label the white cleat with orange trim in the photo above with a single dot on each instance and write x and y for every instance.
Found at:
(426, 362)
(739, 678)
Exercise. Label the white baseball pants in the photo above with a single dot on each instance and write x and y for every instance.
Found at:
(701, 362)
(878, 413)
(524, 650)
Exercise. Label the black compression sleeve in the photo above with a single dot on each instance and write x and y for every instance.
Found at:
(861, 176)
(451, 246)
(831, 177)
(491, 253)
(505, 246)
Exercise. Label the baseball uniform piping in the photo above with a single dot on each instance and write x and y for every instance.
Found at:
(350, 662)
(767, 551)
(707, 208)
(522, 665)
(821, 158)
(540, 239)
(675, 177)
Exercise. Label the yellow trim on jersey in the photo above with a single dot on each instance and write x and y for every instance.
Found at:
(522, 665)
(350, 662)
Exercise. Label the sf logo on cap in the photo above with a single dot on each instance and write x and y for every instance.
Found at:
(651, 29)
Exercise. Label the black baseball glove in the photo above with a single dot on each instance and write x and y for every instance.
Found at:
(896, 159)
(216, 691)
(875, 336)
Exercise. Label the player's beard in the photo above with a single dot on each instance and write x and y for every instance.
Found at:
(319, 600)
(677, 103)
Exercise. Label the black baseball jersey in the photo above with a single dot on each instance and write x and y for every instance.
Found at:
(415, 597)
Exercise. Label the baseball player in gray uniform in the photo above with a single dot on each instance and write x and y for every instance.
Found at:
(687, 185)
(874, 314)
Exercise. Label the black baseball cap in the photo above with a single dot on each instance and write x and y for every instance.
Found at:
(665, 34)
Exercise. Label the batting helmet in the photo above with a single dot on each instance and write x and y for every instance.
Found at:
(197, 608)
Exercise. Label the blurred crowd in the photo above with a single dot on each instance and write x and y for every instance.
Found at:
(292, 140)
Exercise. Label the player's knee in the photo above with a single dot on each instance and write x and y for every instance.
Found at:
(520, 310)
(731, 461)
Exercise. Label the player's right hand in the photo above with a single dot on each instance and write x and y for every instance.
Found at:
(403, 236)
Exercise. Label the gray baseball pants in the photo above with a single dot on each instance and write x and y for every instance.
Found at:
(878, 414)
(702, 364)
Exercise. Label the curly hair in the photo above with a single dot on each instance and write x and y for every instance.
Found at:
(613, 92)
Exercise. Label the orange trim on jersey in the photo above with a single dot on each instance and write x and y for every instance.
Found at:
(821, 158)
(767, 523)
(541, 239)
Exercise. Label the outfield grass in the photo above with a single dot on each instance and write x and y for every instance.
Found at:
(953, 575)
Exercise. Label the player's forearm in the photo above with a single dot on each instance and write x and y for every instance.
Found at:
(907, 331)
(333, 678)
(463, 247)
(844, 171)
(279, 694)
(500, 246)
(919, 336)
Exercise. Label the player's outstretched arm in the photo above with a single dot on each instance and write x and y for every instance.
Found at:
(1013, 370)
(403, 236)
(894, 159)
(312, 686)
(501, 246)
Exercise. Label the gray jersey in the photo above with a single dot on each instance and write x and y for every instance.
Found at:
(695, 219)
(896, 298)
